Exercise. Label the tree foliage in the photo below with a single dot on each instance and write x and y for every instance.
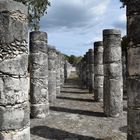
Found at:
(124, 2)
(72, 59)
(36, 9)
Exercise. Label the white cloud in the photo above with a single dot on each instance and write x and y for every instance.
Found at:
(72, 25)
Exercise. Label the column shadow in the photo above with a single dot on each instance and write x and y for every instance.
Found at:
(74, 92)
(75, 99)
(77, 111)
(57, 134)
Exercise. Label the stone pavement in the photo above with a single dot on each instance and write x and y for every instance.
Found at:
(76, 116)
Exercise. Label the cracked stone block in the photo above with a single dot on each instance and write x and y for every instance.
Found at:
(23, 134)
(16, 66)
(134, 66)
(113, 97)
(133, 88)
(113, 70)
(14, 117)
(99, 69)
(40, 110)
(134, 124)
(13, 90)
(38, 74)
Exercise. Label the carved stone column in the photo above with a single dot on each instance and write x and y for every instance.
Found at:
(14, 79)
(113, 81)
(52, 73)
(39, 74)
(91, 69)
(98, 70)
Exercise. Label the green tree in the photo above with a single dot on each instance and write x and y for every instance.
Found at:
(124, 2)
(36, 9)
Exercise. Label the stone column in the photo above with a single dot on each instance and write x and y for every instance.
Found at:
(57, 72)
(14, 78)
(66, 70)
(98, 70)
(133, 63)
(87, 70)
(52, 74)
(38, 74)
(84, 72)
(113, 81)
(91, 70)
(62, 77)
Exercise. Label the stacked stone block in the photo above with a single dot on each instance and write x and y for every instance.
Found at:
(52, 73)
(14, 79)
(98, 70)
(133, 64)
(113, 81)
(39, 74)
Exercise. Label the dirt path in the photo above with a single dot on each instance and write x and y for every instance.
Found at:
(75, 116)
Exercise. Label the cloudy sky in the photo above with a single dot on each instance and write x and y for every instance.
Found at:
(73, 25)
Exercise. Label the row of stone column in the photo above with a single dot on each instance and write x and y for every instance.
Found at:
(113, 83)
(33, 72)
(101, 72)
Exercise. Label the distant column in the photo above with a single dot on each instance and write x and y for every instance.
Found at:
(14, 78)
(87, 70)
(98, 70)
(52, 74)
(133, 64)
(91, 70)
(62, 77)
(113, 81)
(57, 72)
(39, 75)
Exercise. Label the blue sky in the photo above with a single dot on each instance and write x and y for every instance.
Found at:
(73, 25)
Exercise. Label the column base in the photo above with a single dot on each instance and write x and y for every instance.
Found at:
(39, 111)
(23, 134)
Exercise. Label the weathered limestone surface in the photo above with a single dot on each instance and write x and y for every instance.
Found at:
(39, 74)
(113, 81)
(98, 70)
(52, 73)
(14, 79)
(133, 63)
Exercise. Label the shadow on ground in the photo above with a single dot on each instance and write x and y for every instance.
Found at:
(57, 134)
(75, 99)
(74, 92)
(77, 111)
